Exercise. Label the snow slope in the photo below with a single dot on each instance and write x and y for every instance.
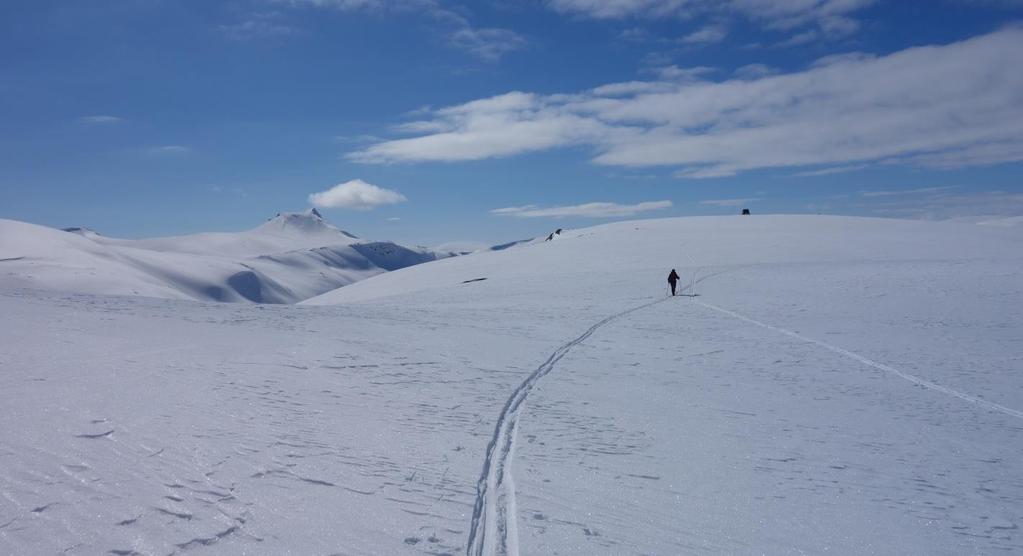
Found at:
(838, 385)
(291, 257)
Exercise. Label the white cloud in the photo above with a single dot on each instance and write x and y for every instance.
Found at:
(829, 18)
(169, 150)
(100, 119)
(486, 43)
(587, 210)
(613, 9)
(258, 26)
(729, 202)
(754, 71)
(940, 106)
(713, 33)
(899, 192)
(344, 4)
(355, 194)
(635, 34)
(675, 73)
(239, 191)
(942, 204)
(830, 171)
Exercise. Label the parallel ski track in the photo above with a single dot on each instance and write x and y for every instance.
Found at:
(493, 529)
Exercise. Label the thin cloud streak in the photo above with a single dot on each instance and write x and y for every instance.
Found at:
(945, 205)
(709, 34)
(258, 26)
(169, 150)
(899, 192)
(826, 18)
(586, 210)
(100, 119)
(488, 44)
(830, 171)
(729, 202)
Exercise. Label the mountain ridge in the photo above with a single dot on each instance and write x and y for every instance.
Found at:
(290, 257)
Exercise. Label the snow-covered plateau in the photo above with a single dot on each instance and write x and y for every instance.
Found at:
(824, 385)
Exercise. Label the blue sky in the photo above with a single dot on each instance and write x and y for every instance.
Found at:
(499, 119)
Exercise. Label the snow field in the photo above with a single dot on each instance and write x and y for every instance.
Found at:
(369, 424)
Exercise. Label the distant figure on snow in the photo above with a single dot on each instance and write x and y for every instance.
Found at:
(673, 280)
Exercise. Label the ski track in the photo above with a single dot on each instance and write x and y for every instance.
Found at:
(871, 363)
(493, 529)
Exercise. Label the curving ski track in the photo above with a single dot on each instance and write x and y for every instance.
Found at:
(493, 529)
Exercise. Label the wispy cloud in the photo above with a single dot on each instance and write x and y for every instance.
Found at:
(356, 194)
(680, 75)
(224, 190)
(729, 202)
(587, 210)
(259, 26)
(754, 71)
(900, 192)
(825, 18)
(344, 4)
(830, 171)
(100, 119)
(713, 33)
(943, 204)
(169, 150)
(952, 105)
(489, 44)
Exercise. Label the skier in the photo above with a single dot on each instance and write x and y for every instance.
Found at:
(673, 280)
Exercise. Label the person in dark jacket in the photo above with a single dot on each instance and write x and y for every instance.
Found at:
(673, 280)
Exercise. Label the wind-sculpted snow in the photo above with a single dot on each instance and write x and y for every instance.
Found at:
(836, 385)
(289, 258)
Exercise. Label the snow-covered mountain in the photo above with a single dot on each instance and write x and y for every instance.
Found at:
(836, 386)
(641, 249)
(291, 257)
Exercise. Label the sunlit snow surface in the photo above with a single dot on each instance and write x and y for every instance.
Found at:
(838, 385)
(291, 257)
